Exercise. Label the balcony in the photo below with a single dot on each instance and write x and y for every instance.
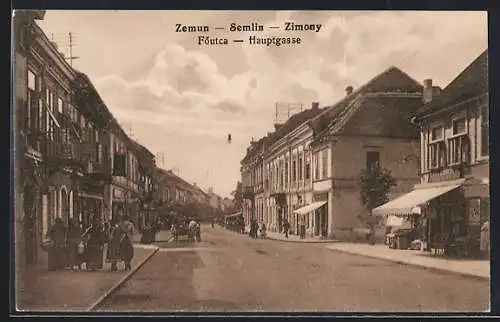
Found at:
(66, 153)
(99, 170)
(248, 192)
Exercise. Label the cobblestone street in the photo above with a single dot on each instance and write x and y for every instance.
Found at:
(231, 272)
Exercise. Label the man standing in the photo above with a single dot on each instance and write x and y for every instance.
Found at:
(286, 227)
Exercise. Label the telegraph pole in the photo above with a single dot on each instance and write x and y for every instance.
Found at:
(71, 44)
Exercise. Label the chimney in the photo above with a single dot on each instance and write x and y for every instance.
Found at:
(277, 126)
(194, 184)
(427, 91)
(348, 90)
(315, 106)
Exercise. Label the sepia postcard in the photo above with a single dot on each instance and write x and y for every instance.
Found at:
(250, 161)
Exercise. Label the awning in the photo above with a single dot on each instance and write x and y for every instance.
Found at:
(234, 215)
(410, 203)
(309, 208)
(394, 221)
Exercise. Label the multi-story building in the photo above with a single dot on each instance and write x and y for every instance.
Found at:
(124, 196)
(59, 140)
(311, 164)
(453, 195)
(147, 166)
(369, 127)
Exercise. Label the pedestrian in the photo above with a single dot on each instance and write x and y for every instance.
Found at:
(263, 230)
(286, 227)
(126, 247)
(95, 244)
(113, 249)
(76, 246)
(192, 226)
(484, 242)
(57, 234)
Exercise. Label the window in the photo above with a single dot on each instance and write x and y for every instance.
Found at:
(286, 173)
(307, 170)
(459, 126)
(31, 80)
(372, 160)
(294, 171)
(436, 148)
(485, 120)
(60, 105)
(437, 133)
(324, 156)
(316, 166)
(458, 149)
(301, 173)
(437, 154)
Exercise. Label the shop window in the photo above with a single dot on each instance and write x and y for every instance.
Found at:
(485, 120)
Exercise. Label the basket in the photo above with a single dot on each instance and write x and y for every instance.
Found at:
(47, 245)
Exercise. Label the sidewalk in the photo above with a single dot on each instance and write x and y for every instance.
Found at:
(296, 239)
(67, 290)
(466, 267)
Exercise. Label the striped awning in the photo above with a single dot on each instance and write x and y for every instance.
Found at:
(410, 203)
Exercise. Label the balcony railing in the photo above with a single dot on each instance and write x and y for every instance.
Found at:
(248, 192)
(63, 151)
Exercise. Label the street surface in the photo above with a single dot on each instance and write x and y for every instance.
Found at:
(231, 272)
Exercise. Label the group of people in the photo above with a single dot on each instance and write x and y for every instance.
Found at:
(257, 230)
(188, 227)
(79, 247)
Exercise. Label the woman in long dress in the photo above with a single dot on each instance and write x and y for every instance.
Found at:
(113, 255)
(95, 243)
(74, 247)
(57, 234)
(126, 236)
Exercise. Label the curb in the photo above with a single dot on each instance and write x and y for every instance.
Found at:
(120, 283)
(420, 266)
(303, 242)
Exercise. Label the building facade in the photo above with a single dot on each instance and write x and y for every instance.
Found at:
(59, 140)
(454, 192)
(311, 164)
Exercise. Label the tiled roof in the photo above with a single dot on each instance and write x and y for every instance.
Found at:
(470, 83)
(291, 124)
(335, 117)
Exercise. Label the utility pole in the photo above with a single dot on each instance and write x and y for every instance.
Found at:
(71, 44)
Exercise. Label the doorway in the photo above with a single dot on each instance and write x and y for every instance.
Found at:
(65, 207)
(29, 225)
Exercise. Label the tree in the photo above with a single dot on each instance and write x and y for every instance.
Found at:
(375, 184)
(238, 196)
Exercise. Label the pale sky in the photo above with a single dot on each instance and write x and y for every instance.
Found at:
(182, 99)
